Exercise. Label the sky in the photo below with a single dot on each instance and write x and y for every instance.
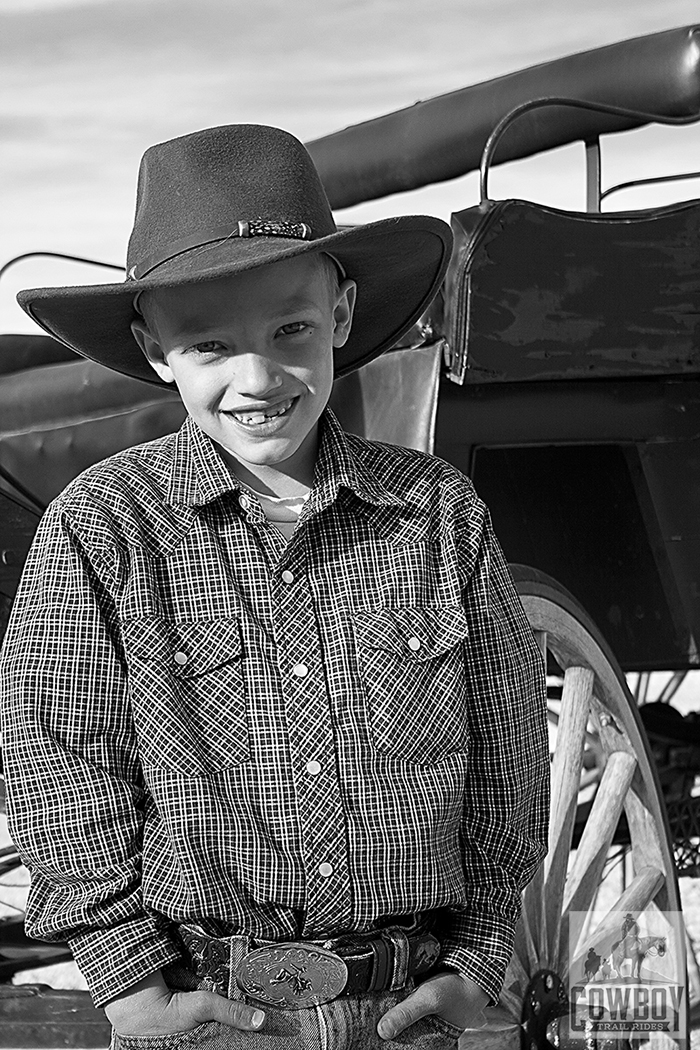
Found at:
(87, 85)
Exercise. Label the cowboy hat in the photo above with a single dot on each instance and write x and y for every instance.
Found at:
(233, 198)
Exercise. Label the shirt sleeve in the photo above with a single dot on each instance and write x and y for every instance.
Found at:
(504, 830)
(74, 785)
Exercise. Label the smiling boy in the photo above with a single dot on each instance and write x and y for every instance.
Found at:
(274, 720)
(252, 357)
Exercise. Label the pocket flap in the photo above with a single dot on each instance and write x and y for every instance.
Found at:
(419, 632)
(189, 647)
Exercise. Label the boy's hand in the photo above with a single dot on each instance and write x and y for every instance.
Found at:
(456, 999)
(151, 1008)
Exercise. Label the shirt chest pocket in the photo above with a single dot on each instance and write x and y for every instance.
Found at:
(411, 661)
(188, 693)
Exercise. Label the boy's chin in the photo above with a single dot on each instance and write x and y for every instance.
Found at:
(262, 452)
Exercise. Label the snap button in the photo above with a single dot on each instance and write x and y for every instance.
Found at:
(414, 644)
(313, 767)
(300, 670)
(288, 576)
(244, 501)
(325, 869)
(180, 658)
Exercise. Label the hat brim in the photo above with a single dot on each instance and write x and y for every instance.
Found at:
(398, 264)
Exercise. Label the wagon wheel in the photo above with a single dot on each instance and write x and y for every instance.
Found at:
(599, 742)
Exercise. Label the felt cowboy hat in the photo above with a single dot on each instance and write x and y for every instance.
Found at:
(229, 199)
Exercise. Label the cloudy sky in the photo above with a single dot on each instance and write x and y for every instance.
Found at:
(87, 85)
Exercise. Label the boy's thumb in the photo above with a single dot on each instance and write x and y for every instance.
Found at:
(228, 1011)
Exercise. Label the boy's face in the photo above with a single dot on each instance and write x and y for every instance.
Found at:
(252, 354)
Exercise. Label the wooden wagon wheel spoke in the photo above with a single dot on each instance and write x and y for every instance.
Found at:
(566, 777)
(605, 797)
(585, 875)
(542, 905)
(568, 757)
(584, 878)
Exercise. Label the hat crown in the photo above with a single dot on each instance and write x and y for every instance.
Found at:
(195, 188)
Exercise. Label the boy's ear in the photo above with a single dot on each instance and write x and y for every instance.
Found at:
(342, 314)
(151, 350)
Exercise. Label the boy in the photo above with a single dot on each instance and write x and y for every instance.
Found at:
(273, 716)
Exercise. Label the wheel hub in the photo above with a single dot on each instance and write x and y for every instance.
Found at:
(545, 1022)
(545, 1000)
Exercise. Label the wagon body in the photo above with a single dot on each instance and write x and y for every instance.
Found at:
(578, 415)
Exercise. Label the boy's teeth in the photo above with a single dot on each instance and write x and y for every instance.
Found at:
(254, 418)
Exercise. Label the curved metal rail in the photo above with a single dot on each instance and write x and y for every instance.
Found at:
(58, 255)
(496, 135)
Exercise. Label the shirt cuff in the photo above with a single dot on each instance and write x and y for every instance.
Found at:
(482, 958)
(114, 959)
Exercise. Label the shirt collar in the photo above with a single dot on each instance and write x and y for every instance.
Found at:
(341, 465)
(199, 474)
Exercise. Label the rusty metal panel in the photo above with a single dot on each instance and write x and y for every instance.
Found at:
(17, 527)
(546, 294)
(58, 419)
(393, 398)
(598, 412)
(33, 1015)
(671, 472)
(597, 484)
(573, 512)
(19, 352)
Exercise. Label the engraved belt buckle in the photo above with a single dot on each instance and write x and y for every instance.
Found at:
(292, 975)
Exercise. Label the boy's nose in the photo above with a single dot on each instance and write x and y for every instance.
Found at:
(256, 375)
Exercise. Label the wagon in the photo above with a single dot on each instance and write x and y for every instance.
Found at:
(560, 368)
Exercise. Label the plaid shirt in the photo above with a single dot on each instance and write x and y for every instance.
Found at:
(205, 723)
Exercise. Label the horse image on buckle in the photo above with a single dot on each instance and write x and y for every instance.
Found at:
(292, 975)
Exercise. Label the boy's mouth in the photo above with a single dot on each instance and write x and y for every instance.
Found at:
(257, 417)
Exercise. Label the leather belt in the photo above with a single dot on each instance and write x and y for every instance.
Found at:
(298, 974)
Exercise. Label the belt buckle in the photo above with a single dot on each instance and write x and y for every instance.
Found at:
(292, 975)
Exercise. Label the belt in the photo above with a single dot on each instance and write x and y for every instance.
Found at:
(298, 974)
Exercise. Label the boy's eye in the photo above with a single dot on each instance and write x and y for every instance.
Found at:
(293, 328)
(212, 346)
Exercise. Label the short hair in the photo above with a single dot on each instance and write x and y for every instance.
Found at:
(332, 271)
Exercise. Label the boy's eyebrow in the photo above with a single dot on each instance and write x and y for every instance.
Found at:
(198, 323)
(190, 326)
(298, 301)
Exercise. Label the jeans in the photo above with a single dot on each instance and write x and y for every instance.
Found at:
(343, 1024)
